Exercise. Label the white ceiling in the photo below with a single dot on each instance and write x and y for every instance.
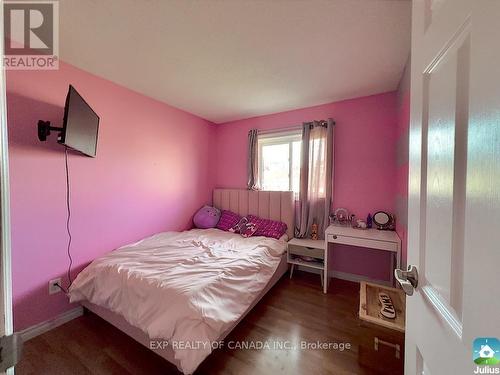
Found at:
(231, 59)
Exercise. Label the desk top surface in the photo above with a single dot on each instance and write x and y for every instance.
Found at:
(371, 233)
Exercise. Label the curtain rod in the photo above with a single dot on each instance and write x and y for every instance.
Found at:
(289, 128)
(279, 130)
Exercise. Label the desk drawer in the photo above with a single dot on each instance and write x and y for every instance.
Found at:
(306, 251)
(363, 242)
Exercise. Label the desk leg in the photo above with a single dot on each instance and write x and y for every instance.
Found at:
(398, 260)
(392, 268)
(325, 269)
(398, 256)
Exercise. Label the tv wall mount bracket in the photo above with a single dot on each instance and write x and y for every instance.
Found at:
(44, 130)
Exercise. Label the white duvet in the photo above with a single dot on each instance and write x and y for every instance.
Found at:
(182, 286)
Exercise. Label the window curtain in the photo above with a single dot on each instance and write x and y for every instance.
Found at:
(316, 171)
(253, 163)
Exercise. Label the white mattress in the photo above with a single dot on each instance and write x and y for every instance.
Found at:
(186, 287)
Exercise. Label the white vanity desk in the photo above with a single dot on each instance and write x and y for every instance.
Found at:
(370, 238)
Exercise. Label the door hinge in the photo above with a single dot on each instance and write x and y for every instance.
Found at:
(10, 351)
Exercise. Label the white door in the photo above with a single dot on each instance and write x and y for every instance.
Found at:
(454, 187)
(6, 327)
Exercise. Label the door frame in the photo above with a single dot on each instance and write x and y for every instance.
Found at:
(6, 318)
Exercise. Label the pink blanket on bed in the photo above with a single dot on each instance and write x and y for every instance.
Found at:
(184, 287)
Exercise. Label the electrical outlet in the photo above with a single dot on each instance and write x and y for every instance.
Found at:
(53, 288)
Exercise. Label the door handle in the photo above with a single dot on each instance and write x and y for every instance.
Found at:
(407, 279)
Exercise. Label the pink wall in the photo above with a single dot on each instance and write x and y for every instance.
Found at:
(365, 171)
(151, 173)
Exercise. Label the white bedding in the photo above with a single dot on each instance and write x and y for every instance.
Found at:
(182, 286)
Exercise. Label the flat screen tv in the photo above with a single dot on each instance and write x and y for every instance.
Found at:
(80, 125)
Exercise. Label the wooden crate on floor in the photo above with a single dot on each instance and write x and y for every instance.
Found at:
(369, 306)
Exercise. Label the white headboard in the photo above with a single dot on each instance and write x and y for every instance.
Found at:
(275, 205)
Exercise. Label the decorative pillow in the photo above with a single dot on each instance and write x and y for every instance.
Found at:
(228, 220)
(248, 230)
(206, 217)
(268, 228)
(237, 228)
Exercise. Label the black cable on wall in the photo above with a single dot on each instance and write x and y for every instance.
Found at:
(68, 206)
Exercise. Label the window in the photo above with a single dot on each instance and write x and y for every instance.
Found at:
(279, 161)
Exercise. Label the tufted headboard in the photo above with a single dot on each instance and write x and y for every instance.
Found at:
(275, 205)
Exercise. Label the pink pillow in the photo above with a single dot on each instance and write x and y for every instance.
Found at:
(268, 228)
(228, 220)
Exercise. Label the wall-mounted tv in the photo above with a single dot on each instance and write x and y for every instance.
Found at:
(80, 125)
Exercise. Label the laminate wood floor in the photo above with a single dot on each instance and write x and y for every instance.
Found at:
(294, 310)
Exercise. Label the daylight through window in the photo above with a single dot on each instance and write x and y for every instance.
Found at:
(279, 161)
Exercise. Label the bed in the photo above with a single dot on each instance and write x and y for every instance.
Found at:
(180, 293)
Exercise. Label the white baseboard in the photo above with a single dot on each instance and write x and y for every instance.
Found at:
(357, 278)
(347, 276)
(38, 329)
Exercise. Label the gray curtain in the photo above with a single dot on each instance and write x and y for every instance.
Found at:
(253, 163)
(316, 171)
